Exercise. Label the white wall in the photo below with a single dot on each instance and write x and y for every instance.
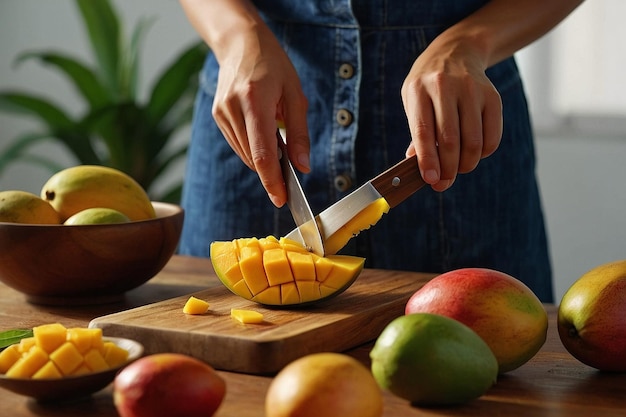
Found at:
(44, 25)
(581, 171)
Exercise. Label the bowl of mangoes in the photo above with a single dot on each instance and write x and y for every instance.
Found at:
(58, 363)
(89, 237)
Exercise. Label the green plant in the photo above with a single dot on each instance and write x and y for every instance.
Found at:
(116, 129)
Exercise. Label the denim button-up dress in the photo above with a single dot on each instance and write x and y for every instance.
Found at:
(352, 58)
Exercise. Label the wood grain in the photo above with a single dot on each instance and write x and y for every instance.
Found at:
(352, 318)
(552, 384)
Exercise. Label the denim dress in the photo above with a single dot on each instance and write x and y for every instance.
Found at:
(352, 57)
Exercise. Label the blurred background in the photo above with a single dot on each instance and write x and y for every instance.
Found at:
(573, 78)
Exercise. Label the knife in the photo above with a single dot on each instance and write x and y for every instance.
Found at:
(307, 228)
(394, 185)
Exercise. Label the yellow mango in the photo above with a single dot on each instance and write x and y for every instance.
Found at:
(195, 305)
(66, 358)
(277, 266)
(114, 355)
(84, 338)
(246, 316)
(27, 365)
(95, 361)
(81, 351)
(50, 336)
(48, 371)
(271, 275)
(8, 357)
(368, 217)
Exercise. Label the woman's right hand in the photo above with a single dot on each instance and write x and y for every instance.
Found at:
(257, 86)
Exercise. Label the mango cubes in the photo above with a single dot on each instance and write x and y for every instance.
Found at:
(195, 305)
(281, 271)
(55, 351)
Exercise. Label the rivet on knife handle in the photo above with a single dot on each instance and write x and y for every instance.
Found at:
(399, 181)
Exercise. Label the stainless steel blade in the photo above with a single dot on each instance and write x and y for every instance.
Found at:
(395, 185)
(306, 223)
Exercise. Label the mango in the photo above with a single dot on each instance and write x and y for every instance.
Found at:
(246, 316)
(324, 384)
(55, 351)
(168, 385)
(281, 271)
(86, 186)
(195, 305)
(97, 215)
(430, 359)
(24, 207)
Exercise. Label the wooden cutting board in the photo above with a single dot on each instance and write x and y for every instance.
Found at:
(352, 318)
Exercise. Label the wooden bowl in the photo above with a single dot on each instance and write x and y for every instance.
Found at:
(72, 387)
(87, 264)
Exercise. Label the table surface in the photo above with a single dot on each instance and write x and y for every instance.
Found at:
(553, 383)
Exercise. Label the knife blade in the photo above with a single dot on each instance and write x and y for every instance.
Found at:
(307, 228)
(394, 185)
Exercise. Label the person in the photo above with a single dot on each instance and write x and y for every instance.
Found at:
(360, 85)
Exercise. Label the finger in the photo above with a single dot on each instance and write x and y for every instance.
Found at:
(421, 120)
(448, 136)
(229, 119)
(261, 132)
(492, 124)
(296, 130)
(471, 135)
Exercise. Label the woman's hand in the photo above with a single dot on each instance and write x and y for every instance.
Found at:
(257, 85)
(453, 110)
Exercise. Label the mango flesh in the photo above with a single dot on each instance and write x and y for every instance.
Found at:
(281, 272)
(55, 352)
(366, 218)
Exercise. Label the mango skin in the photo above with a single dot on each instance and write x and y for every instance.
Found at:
(85, 186)
(167, 385)
(591, 316)
(430, 359)
(23, 207)
(500, 308)
(324, 384)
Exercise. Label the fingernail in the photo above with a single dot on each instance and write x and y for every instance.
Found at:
(431, 176)
(303, 160)
(275, 200)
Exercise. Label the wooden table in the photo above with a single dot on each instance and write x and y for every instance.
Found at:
(553, 383)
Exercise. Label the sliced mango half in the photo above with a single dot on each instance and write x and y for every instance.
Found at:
(277, 272)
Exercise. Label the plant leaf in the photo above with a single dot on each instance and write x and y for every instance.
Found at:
(175, 81)
(53, 116)
(84, 78)
(129, 67)
(10, 337)
(103, 28)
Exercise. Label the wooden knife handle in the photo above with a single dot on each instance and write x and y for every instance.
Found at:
(399, 182)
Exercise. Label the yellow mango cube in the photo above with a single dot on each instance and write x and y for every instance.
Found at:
(114, 355)
(26, 344)
(94, 361)
(27, 365)
(48, 371)
(302, 266)
(195, 306)
(66, 358)
(8, 357)
(81, 370)
(289, 294)
(308, 290)
(251, 263)
(84, 339)
(246, 316)
(277, 267)
(50, 336)
(268, 295)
